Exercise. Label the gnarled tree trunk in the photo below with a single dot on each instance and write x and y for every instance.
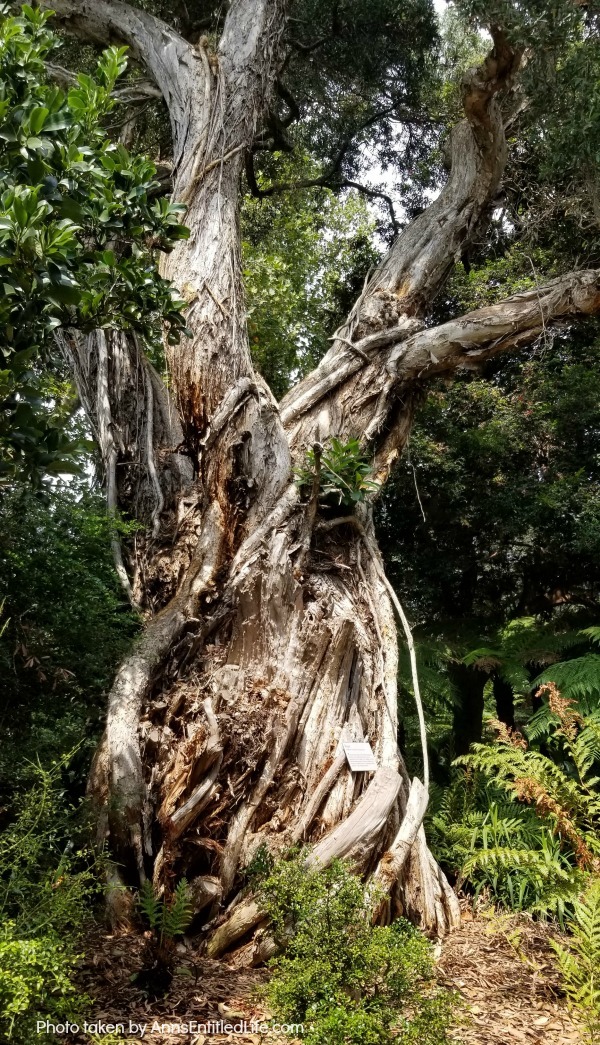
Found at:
(270, 632)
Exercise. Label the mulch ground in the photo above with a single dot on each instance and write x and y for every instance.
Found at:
(209, 993)
(500, 966)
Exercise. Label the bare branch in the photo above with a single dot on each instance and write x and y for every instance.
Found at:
(293, 107)
(510, 324)
(403, 287)
(375, 194)
(297, 45)
(398, 356)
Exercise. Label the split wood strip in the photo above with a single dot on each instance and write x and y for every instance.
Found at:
(364, 824)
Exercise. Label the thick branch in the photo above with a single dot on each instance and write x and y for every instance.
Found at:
(405, 356)
(401, 290)
(175, 65)
(510, 324)
(149, 39)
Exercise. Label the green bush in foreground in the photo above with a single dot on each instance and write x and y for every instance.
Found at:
(348, 982)
(35, 983)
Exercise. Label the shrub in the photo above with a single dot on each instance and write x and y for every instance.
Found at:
(65, 626)
(35, 983)
(347, 981)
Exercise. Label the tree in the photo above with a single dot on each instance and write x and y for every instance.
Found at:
(270, 628)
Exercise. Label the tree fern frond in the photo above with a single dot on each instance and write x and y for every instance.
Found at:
(575, 678)
(593, 634)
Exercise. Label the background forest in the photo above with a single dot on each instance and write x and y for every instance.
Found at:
(490, 526)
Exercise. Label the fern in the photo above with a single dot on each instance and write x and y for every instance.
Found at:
(576, 679)
(178, 914)
(518, 645)
(150, 905)
(170, 919)
(500, 847)
(579, 961)
(521, 824)
(167, 920)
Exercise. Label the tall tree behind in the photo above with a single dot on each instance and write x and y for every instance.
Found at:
(270, 629)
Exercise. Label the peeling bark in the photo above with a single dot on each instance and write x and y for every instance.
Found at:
(270, 633)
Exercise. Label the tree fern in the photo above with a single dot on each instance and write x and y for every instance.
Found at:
(520, 644)
(577, 679)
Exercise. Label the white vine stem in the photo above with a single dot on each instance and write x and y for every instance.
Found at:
(353, 521)
(415, 677)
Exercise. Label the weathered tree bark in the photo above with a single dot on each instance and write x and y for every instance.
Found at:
(270, 633)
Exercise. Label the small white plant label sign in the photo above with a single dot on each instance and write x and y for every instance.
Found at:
(360, 757)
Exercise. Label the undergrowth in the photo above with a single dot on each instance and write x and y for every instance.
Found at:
(579, 961)
(522, 819)
(167, 919)
(46, 887)
(345, 980)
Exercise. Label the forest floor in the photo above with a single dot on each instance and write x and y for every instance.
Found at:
(500, 965)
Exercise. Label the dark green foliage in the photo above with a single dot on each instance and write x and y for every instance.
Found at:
(341, 471)
(65, 626)
(80, 223)
(348, 96)
(506, 469)
(348, 982)
(523, 823)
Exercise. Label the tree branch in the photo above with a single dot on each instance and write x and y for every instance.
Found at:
(174, 64)
(405, 356)
(375, 194)
(401, 290)
(508, 325)
(149, 39)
